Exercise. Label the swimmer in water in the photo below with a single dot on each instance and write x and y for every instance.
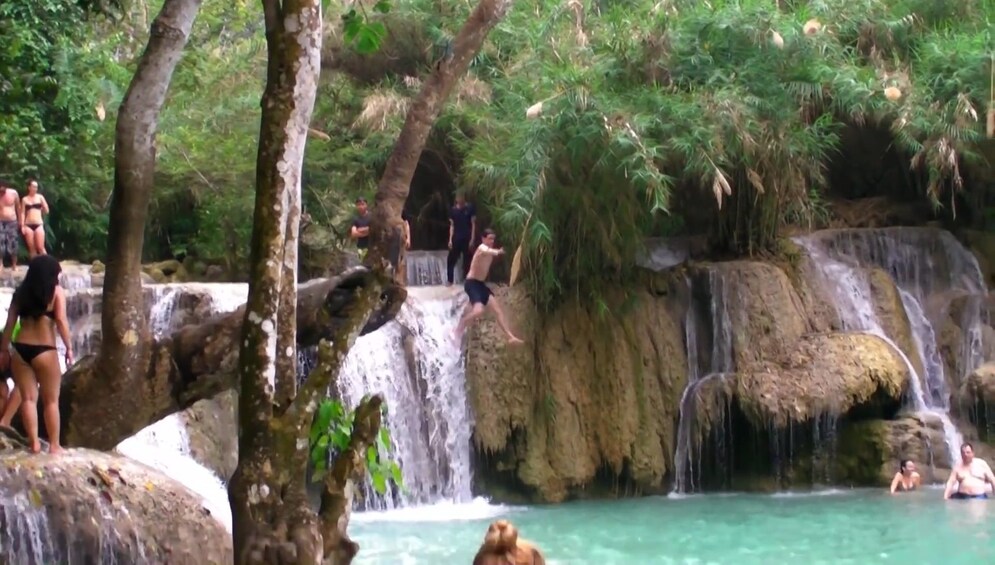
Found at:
(971, 477)
(906, 479)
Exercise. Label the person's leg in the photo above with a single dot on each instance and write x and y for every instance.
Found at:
(39, 234)
(29, 240)
(467, 257)
(475, 312)
(13, 403)
(24, 378)
(495, 307)
(451, 259)
(49, 374)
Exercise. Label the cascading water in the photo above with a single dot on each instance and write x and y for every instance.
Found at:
(425, 268)
(419, 369)
(719, 362)
(925, 263)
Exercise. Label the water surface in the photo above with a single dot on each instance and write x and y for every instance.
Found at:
(838, 527)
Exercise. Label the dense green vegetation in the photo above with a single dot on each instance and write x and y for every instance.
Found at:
(647, 118)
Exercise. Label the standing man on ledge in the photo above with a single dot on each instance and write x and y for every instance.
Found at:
(480, 295)
(360, 230)
(462, 233)
(11, 221)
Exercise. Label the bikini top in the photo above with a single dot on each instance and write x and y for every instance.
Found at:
(37, 206)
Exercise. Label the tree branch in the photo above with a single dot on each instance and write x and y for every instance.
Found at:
(392, 191)
(336, 498)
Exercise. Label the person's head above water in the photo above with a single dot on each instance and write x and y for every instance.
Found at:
(967, 453)
(907, 467)
(32, 186)
(35, 292)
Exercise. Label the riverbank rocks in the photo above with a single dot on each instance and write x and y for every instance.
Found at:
(85, 506)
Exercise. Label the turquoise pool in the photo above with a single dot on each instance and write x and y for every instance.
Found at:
(838, 527)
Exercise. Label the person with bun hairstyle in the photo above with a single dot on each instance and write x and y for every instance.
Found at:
(502, 546)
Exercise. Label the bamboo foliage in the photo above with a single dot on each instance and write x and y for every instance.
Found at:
(600, 117)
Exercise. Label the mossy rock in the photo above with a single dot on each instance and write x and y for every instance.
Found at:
(99, 507)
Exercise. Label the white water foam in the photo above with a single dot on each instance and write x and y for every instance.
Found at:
(419, 369)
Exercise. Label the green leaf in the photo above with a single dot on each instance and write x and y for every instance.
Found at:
(379, 483)
(383, 6)
(385, 439)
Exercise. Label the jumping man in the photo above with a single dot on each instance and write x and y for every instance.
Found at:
(478, 292)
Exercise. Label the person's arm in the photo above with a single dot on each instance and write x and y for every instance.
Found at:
(489, 250)
(916, 479)
(950, 484)
(894, 482)
(18, 209)
(451, 227)
(8, 330)
(354, 231)
(407, 235)
(473, 226)
(62, 324)
(44, 204)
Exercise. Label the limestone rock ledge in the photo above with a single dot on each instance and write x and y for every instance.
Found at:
(587, 397)
(833, 373)
(89, 506)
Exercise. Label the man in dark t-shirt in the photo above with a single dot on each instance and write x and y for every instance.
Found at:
(360, 230)
(462, 233)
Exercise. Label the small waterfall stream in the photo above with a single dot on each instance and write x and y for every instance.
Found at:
(718, 362)
(923, 263)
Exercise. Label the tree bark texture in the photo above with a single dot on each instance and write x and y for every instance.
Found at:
(271, 519)
(124, 350)
(392, 191)
(199, 361)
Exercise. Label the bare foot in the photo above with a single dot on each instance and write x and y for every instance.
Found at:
(36, 446)
(512, 340)
(55, 449)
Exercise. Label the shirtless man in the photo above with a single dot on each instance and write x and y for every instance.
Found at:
(478, 292)
(971, 476)
(11, 221)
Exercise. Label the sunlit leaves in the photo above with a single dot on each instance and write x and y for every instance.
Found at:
(331, 433)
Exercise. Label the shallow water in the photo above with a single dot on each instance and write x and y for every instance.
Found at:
(837, 527)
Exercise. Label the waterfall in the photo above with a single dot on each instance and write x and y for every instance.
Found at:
(720, 362)
(425, 268)
(923, 263)
(419, 369)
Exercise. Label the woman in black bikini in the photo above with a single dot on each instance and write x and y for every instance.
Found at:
(33, 208)
(906, 479)
(40, 303)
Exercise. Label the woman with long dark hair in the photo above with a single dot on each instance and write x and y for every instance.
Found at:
(40, 303)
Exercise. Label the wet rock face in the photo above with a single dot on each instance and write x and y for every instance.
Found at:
(212, 430)
(977, 400)
(90, 507)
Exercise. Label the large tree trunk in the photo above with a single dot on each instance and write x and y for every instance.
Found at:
(124, 351)
(392, 191)
(199, 361)
(272, 522)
